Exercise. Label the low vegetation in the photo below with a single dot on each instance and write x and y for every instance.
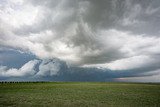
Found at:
(79, 94)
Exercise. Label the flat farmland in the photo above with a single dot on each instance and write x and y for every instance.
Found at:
(79, 94)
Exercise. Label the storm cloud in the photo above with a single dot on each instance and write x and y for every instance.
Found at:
(91, 39)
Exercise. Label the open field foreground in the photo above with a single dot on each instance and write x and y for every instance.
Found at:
(79, 94)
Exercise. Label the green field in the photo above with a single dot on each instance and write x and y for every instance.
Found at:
(79, 94)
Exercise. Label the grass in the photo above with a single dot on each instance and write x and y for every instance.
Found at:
(79, 94)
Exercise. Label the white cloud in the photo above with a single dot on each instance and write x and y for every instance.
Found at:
(131, 63)
(26, 70)
(82, 33)
(49, 68)
(149, 78)
(138, 50)
(16, 13)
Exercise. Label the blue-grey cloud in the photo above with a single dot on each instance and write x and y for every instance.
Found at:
(57, 70)
(13, 58)
(116, 38)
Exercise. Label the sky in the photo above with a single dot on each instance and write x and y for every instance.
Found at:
(80, 40)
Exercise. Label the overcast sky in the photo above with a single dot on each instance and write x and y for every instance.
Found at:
(80, 40)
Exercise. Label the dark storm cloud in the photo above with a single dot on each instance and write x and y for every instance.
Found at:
(13, 58)
(56, 70)
(141, 17)
(117, 35)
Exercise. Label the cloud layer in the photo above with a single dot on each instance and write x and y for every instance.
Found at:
(57, 70)
(109, 36)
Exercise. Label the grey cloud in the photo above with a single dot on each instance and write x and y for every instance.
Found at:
(56, 70)
(26, 70)
(50, 67)
(142, 17)
(8, 57)
(133, 15)
(85, 32)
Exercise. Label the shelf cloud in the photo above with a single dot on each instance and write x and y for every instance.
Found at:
(108, 39)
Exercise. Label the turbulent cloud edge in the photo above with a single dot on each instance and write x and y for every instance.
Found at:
(116, 35)
(56, 70)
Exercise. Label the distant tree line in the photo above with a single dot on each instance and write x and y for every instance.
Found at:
(4, 82)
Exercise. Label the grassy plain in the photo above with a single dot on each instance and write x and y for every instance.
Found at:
(79, 94)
